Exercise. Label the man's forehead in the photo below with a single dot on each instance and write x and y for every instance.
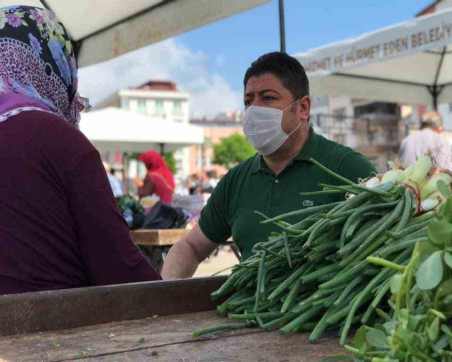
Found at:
(263, 82)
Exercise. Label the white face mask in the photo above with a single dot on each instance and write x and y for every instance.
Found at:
(263, 128)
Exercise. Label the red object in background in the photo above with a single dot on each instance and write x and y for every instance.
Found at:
(160, 176)
(421, 109)
(118, 157)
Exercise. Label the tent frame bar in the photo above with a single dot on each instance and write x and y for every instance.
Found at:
(78, 43)
(434, 90)
(130, 17)
(365, 77)
(116, 23)
(45, 4)
(435, 52)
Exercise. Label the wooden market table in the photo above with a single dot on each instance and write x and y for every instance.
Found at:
(155, 243)
(157, 237)
(138, 322)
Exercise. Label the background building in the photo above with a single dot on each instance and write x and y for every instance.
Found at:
(158, 99)
(373, 128)
(215, 129)
(161, 100)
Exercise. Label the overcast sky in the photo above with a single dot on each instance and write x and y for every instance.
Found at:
(209, 92)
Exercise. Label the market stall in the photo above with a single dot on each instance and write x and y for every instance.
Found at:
(407, 63)
(105, 29)
(112, 129)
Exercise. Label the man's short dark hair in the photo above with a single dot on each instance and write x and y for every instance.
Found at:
(431, 120)
(286, 68)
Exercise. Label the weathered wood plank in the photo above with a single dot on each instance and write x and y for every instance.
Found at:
(166, 338)
(69, 308)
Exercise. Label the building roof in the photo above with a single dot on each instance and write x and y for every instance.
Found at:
(230, 119)
(429, 9)
(158, 85)
(215, 123)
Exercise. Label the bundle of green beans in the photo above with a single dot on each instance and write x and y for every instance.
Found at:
(313, 275)
(418, 325)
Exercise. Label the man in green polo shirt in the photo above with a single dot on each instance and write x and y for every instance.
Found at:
(276, 122)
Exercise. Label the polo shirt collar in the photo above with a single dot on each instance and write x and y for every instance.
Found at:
(309, 150)
(258, 163)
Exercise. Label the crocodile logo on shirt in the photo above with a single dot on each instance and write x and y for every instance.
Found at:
(308, 203)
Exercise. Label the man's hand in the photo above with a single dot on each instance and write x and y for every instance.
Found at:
(185, 256)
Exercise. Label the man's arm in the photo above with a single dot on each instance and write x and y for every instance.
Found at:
(147, 187)
(185, 256)
(355, 167)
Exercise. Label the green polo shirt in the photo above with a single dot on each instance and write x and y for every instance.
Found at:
(252, 186)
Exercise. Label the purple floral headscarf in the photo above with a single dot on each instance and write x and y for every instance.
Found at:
(37, 64)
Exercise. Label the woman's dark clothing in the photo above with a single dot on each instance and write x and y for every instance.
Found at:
(59, 224)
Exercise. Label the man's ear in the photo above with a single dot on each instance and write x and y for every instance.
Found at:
(304, 107)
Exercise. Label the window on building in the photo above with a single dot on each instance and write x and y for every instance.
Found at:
(159, 110)
(177, 108)
(133, 105)
(141, 106)
(377, 107)
(340, 114)
(125, 103)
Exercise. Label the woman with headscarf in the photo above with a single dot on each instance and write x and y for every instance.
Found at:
(159, 179)
(59, 224)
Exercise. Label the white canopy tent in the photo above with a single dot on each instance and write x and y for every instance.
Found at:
(410, 62)
(112, 129)
(105, 29)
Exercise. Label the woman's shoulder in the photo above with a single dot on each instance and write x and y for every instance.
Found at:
(54, 136)
(53, 127)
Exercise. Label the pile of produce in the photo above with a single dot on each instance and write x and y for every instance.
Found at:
(131, 210)
(418, 327)
(313, 275)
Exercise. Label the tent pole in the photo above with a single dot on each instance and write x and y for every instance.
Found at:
(45, 4)
(162, 148)
(282, 30)
(435, 89)
(435, 99)
(77, 48)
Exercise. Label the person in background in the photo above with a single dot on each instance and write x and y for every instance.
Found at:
(211, 181)
(59, 223)
(276, 122)
(194, 184)
(115, 183)
(159, 179)
(428, 140)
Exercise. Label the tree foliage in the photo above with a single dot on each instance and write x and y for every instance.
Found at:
(232, 150)
(170, 161)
